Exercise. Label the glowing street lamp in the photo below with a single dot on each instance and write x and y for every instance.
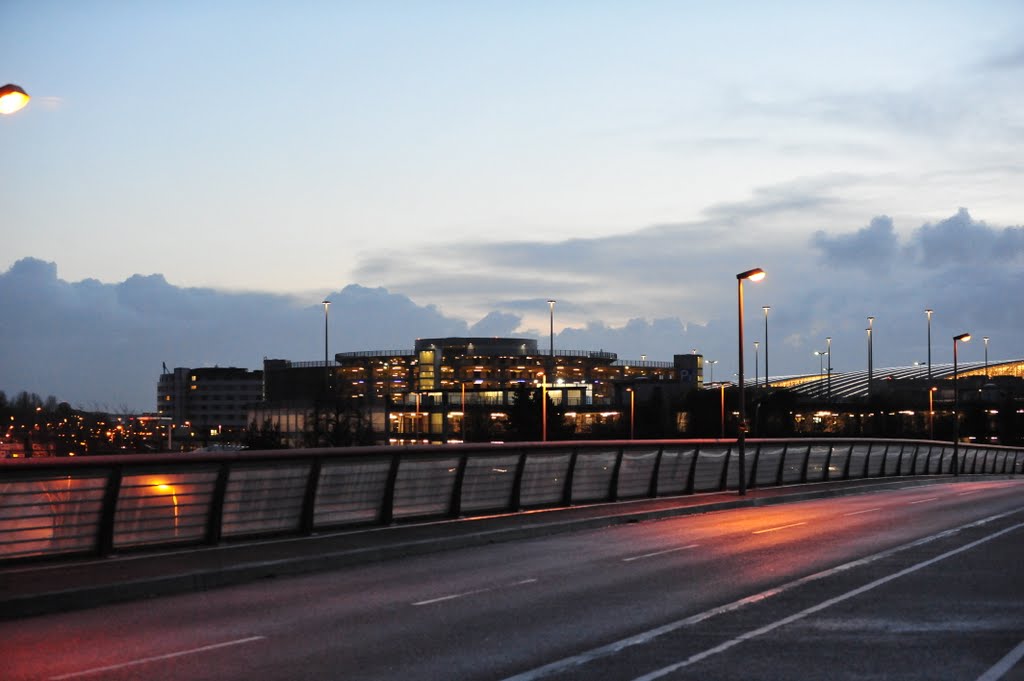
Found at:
(711, 366)
(12, 99)
(756, 274)
(962, 338)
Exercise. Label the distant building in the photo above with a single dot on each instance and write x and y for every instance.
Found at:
(426, 394)
(210, 400)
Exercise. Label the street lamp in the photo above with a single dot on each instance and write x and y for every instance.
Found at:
(962, 338)
(711, 366)
(757, 344)
(12, 98)
(756, 274)
(986, 356)
(327, 367)
(931, 412)
(766, 308)
(929, 312)
(632, 412)
(820, 354)
(828, 351)
(871, 359)
(551, 335)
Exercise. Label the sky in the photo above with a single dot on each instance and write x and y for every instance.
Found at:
(191, 179)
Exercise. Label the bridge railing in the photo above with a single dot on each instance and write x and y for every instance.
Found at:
(102, 505)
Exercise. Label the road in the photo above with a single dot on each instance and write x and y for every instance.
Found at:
(923, 582)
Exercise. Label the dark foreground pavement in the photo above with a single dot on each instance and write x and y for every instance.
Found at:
(38, 587)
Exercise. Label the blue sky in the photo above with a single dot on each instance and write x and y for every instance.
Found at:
(475, 159)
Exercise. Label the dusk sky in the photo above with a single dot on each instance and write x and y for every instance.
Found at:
(190, 179)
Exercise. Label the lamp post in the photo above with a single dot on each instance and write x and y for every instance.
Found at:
(551, 336)
(327, 368)
(931, 412)
(871, 359)
(756, 274)
(543, 408)
(820, 354)
(756, 373)
(962, 338)
(828, 351)
(12, 98)
(632, 412)
(929, 312)
(985, 338)
(766, 308)
(711, 365)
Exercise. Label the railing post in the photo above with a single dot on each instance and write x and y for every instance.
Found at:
(516, 503)
(215, 520)
(867, 463)
(782, 465)
(308, 521)
(567, 488)
(755, 462)
(455, 506)
(899, 460)
(652, 488)
(723, 480)
(613, 493)
(849, 461)
(928, 461)
(806, 464)
(105, 531)
(387, 506)
(913, 461)
(691, 480)
(828, 463)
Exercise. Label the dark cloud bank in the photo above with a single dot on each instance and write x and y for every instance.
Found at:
(101, 345)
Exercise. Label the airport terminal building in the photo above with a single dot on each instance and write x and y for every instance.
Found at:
(444, 387)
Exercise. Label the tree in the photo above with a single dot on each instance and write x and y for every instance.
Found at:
(266, 436)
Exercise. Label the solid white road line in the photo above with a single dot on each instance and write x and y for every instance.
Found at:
(156, 658)
(866, 510)
(451, 597)
(776, 529)
(585, 657)
(1004, 665)
(693, 659)
(659, 553)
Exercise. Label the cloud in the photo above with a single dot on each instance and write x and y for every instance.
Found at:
(657, 292)
(960, 240)
(873, 247)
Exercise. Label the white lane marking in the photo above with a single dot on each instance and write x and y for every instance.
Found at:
(693, 659)
(922, 501)
(1004, 665)
(776, 529)
(585, 657)
(659, 553)
(451, 597)
(156, 658)
(970, 491)
(866, 510)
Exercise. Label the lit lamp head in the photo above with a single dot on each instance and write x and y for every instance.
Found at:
(756, 274)
(12, 98)
(963, 338)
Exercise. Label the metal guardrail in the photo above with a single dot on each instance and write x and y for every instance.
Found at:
(101, 505)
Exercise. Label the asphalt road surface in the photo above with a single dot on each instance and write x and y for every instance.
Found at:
(922, 583)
